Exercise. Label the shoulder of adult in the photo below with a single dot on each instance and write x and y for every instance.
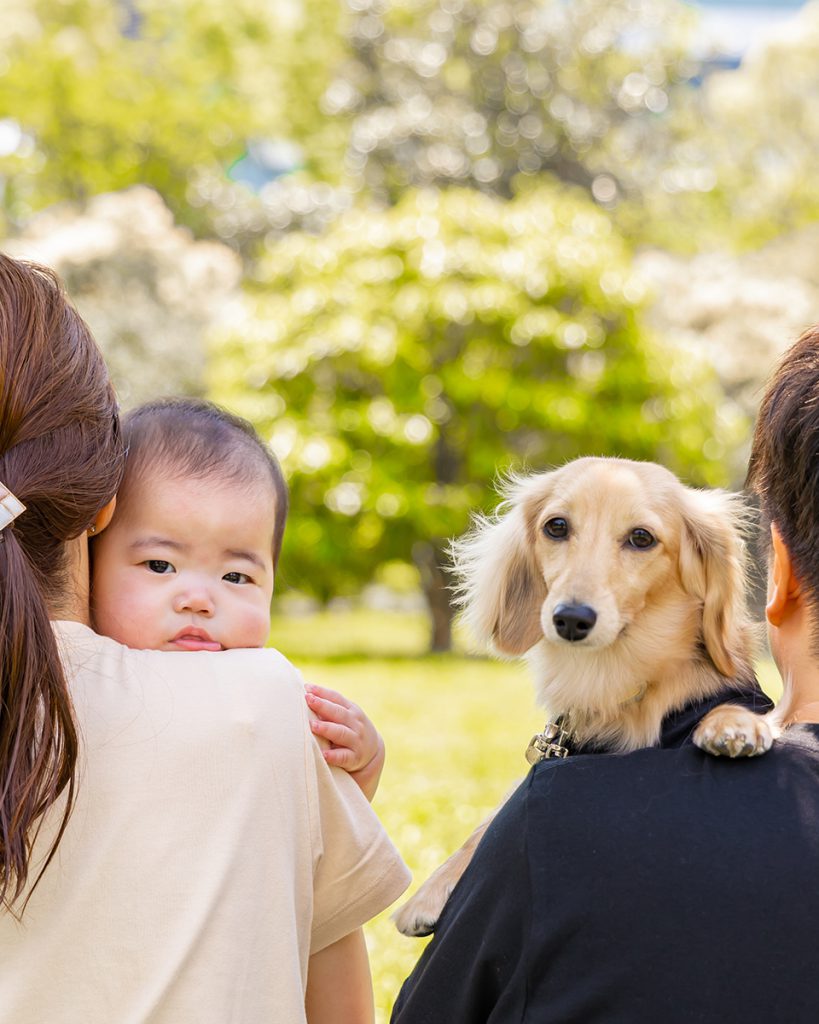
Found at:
(251, 664)
(263, 678)
(599, 799)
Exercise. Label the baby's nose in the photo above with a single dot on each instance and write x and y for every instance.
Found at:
(195, 599)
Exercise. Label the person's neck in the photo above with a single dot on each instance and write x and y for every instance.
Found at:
(799, 667)
(792, 628)
(801, 697)
(75, 604)
(806, 714)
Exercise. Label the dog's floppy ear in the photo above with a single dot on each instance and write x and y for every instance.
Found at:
(500, 586)
(712, 568)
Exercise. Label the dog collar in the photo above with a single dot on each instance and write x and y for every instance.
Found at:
(556, 737)
(552, 742)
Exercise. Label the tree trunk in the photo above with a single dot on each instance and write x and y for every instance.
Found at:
(435, 580)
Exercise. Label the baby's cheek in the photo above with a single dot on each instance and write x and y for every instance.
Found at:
(255, 628)
(119, 612)
(110, 618)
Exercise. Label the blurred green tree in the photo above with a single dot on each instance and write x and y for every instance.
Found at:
(97, 95)
(397, 362)
(480, 92)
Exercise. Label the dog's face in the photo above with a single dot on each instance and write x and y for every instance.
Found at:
(606, 542)
(600, 550)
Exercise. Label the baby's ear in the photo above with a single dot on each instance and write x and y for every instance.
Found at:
(712, 568)
(501, 588)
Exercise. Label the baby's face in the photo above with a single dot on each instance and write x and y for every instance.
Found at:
(186, 565)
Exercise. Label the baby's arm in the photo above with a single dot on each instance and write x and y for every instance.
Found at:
(355, 744)
(339, 989)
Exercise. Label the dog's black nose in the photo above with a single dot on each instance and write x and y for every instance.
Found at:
(574, 621)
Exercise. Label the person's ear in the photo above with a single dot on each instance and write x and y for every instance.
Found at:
(103, 518)
(783, 586)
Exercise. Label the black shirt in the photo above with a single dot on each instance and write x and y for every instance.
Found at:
(659, 886)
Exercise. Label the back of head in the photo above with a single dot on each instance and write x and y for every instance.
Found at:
(784, 466)
(195, 438)
(61, 455)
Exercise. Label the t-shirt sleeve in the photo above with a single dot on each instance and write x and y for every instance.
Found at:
(357, 870)
(473, 970)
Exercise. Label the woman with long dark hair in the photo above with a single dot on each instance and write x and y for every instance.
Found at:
(173, 847)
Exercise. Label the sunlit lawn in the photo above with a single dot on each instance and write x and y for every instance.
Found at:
(455, 729)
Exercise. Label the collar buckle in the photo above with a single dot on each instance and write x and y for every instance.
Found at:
(552, 742)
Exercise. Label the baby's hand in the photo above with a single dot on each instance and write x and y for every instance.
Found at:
(355, 744)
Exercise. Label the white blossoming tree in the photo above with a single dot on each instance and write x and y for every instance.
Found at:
(147, 289)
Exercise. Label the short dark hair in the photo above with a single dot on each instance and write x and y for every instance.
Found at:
(784, 465)
(196, 438)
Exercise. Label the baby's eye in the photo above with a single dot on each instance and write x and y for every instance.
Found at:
(160, 566)
(236, 577)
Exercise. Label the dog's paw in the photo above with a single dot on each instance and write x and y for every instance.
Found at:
(732, 731)
(420, 913)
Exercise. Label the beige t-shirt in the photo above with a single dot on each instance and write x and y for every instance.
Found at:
(210, 850)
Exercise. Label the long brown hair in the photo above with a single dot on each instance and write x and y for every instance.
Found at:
(61, 455)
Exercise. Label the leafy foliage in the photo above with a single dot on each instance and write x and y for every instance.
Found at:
(399, 361)
(107, 95)
(479, 92)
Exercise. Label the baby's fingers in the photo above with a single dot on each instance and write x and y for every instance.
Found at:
(339, 735)
(329, 711)
(342, 757)
(331, 696)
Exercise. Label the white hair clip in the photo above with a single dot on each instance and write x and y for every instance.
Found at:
(10, 507)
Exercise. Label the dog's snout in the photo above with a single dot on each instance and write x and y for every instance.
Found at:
(574, 621)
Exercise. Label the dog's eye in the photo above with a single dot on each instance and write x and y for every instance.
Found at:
(557, 528)
(641, 539)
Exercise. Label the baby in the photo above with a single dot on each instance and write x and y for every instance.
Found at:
(189, 559)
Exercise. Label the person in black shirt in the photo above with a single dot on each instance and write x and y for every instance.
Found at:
(663, 885)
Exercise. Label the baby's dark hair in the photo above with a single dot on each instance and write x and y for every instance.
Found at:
(196, 438)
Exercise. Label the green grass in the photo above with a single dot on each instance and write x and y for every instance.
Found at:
(353, 635)
(455, 729)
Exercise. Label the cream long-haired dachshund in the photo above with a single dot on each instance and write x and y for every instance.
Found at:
(625, 592)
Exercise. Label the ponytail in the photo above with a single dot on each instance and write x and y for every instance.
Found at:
(38, 738)
(61, 455)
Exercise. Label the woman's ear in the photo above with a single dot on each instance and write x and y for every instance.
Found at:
(783, 587)
(103, 518)
(712, 568)
(501, 589)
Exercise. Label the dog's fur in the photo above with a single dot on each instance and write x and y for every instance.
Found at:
(671, 627)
